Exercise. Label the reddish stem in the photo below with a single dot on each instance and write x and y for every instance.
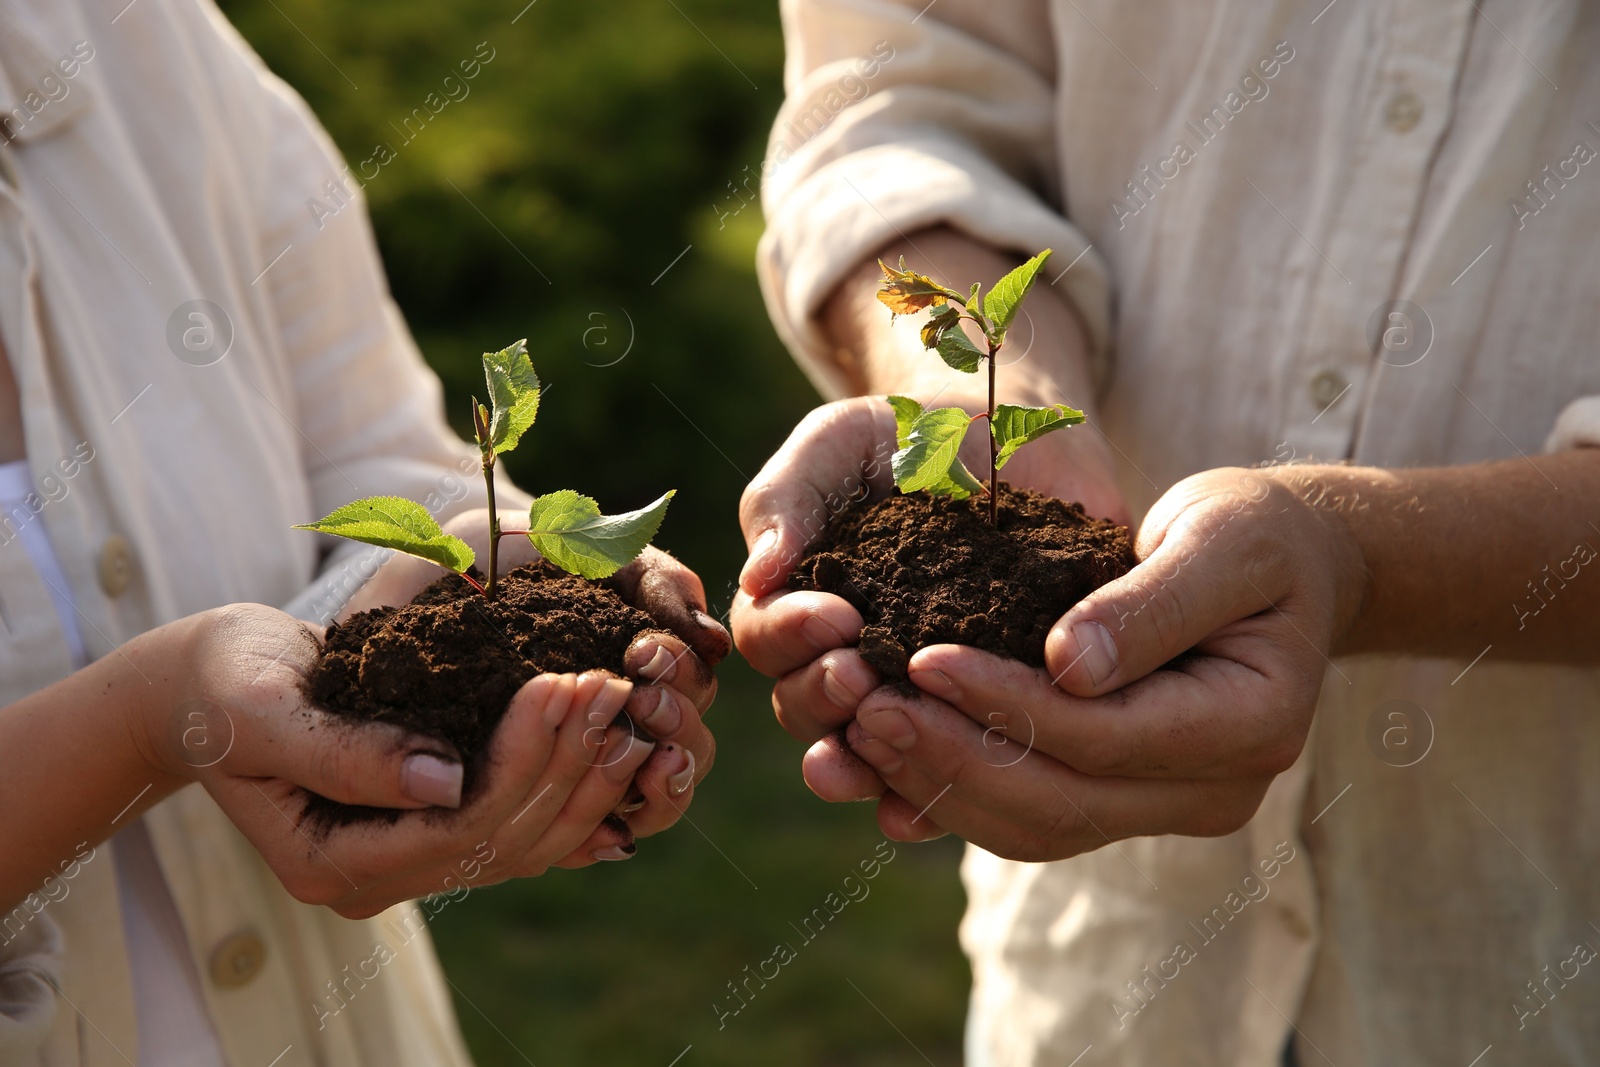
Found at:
(470, 580)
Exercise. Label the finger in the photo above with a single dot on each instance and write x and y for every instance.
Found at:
(660, 657)
(657, 584)
(1212, 718)
(838, 775)
(900, 820)
(594, 798)
(784, 631)
(1194, 583)
(609, 843)
(667, 783)
(371, 764)
(838, 453)
(1035, 807)
(823, 695)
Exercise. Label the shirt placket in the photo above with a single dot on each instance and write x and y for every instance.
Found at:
(1396, 134)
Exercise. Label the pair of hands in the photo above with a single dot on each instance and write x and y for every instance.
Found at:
(556, 767)
(1238, 575)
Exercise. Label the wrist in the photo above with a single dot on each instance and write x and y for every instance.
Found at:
(1337, 499)
(165, 659)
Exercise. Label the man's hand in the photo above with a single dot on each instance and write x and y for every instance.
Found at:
(1119, 736)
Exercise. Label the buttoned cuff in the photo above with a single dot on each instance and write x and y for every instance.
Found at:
(851, 207)
(1578, 426)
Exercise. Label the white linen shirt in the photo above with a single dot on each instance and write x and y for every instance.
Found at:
(147, 160)
(1236, 193)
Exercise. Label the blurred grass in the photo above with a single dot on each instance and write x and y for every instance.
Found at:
(553, 200)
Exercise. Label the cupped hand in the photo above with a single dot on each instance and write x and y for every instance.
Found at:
(1170, 700)
(555, 771)
(838, 454)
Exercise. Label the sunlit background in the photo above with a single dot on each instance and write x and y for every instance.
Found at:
(592, 189)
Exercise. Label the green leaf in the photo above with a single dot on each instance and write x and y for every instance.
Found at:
(1015, 426)
(1001, 304)
(568, 529)
(906, 411)
(397, 523)
(929, 458)
(972, 298)
(513, 394)
(959, 352)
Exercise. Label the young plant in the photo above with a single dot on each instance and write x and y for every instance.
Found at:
(566, 527)
(929, 440)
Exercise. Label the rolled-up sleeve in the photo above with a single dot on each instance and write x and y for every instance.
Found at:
(904, 116)
(1578, 426)
(30, 964)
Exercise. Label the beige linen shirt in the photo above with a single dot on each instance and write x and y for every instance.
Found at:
(148, 160)
(1238, 193)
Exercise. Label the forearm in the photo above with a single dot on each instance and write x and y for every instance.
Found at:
(77, 762)
(1503, 556)
(1045, 360)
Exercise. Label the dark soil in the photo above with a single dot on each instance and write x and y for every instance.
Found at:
(447, 664)
(926, 570)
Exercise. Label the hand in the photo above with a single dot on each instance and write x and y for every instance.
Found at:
(674, 686)
(1119, 736)
(840, 453)
(555, 771)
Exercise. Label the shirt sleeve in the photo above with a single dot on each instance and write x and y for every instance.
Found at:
(368, 407)
(1578, 426)
(31, 954)
(900, 116)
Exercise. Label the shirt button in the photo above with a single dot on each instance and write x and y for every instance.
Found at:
(116, 566)
(238, 959)
(1404, 112)
(1326, 387)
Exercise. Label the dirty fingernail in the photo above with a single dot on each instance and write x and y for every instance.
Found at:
(679, 783)
(620, 766)
(664, 718)
(821, 634)
(428, 779)
(890, 725)
(631, 803)
(837, 692)
(936, 683)
(660, 667)
(1097, 652)
(758, 553)
(613, 853)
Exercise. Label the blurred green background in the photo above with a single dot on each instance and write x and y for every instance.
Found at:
(583, 194)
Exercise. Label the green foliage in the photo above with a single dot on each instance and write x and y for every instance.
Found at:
(1014, 426)
(513, 394)
(569, 531)
(397, 523)
(1001, 304)
(906, 411)
(930, 458)
(959, 352)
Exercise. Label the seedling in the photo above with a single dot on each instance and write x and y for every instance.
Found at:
(566, 527)
(929, 440)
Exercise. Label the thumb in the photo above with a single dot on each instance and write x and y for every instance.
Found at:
(376, 765)
(838, 453)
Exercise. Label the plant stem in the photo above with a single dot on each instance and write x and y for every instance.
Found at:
(994, 450)
(494, 522)
(470, 580)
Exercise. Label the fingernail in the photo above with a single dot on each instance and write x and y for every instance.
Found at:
(560, 701)
(1097, 652)
(615, 852)
(621, 767)
(935, 682)
(660, 667)
(664, 718)
(758, 553)
(631, 803)
(428, 779)
(704, 621)
(821, 634)
(877, 754)
(679, 783)
(890, 725)
(837, 692)
(616, 691)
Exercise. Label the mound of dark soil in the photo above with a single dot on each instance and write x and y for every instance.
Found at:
(926, 570)
(447, 664)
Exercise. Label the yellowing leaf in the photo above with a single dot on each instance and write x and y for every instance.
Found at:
(513, 394)
(397, 523)
(569, 531)
(905, 291)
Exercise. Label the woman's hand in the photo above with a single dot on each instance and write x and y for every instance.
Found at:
(1171, 699)
(840, 453)
(672, 672)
